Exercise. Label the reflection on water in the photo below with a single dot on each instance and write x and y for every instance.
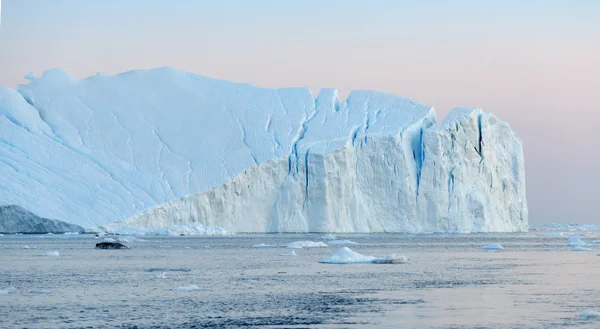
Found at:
(449, 282)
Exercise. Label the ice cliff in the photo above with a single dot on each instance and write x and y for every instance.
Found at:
(174, 148)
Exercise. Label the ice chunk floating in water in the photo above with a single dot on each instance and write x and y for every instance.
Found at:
(158, 154)
(347, 256)
(293, 253)
(580, 249)
(305, 244)
(590, 314)
(51, 254)
(7, 290)
(186, 288)
(262, 245)
(493, 247)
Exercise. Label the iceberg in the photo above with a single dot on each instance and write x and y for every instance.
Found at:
(347, 256)
(164, 148)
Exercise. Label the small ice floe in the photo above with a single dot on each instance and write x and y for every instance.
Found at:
(589, 314)
(42, 292)
(262, 245)
(346, 256)
(25, 247)
(340, 242)
(71, 233)
(305, 244)
(329, 236)
(164, 269)
(186, 288)
(51, 254)
(493, 247)
(575, 240)
(163, 275)
(7, 290)
(560, 234)
(578, 248)
(109, 240)
(293, 253)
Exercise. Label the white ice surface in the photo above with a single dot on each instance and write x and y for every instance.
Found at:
(251, 159)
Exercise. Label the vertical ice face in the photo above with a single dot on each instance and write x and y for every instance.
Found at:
(251, 159)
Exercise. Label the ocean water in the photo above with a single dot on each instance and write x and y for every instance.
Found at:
(222, 282)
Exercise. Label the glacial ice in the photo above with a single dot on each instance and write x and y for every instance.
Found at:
(347, 256)
(164, 148)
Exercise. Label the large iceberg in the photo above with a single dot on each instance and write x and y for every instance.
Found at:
(164, 147)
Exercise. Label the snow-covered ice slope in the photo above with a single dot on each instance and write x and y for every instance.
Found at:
(252, 159)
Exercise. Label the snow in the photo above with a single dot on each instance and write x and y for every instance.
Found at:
(347, 256)
(186, 288)
(340, 242)
(51, 254)
(493, 246)
(165, 148)
(292, 253)
(305, 244)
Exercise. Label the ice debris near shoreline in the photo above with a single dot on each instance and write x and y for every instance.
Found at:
(347, 256)
(173, 148)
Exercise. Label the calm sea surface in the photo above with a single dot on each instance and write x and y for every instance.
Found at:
(222, 282)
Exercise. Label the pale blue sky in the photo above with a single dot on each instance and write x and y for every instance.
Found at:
(535, 64)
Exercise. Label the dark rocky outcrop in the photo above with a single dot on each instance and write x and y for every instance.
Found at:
(111, 245)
